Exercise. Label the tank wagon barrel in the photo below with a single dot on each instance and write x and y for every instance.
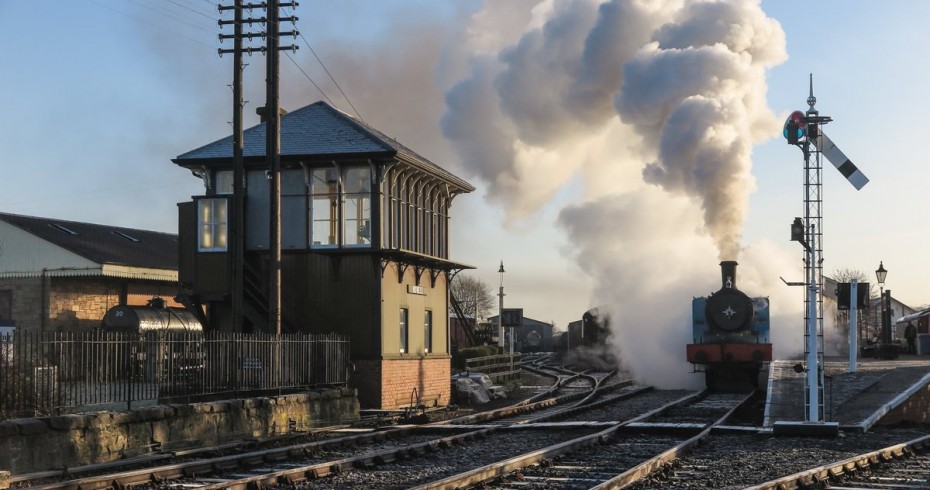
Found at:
(153, 317)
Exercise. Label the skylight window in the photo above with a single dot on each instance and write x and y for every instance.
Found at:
(63, 229)
(124, 235)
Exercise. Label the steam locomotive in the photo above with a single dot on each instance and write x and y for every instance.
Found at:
(730, 335)
(585, 344)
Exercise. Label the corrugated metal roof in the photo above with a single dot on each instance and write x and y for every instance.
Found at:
(913, 316)
(104, 244)
(318, 131)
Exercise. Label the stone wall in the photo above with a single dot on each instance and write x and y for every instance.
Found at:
(38, 444)
(81, 303)
(26, 296)
(915, 409)
(76, 303)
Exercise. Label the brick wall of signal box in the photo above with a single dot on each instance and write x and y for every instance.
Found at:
(389, 383)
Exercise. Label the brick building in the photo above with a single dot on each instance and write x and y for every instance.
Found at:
(364, 224)
(58, 275)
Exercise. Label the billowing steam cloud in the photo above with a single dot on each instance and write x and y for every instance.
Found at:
(689, 80)
(656, 106)
(647, 108)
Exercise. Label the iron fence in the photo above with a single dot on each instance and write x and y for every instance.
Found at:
(50, 373)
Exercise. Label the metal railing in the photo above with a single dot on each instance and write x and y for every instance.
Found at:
(49, 373)
(499, 368)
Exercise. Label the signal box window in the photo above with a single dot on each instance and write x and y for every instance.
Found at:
(357, 207)
(224, 182)
(428, 331)
(404, 316)
(212, 221)
(324, 206)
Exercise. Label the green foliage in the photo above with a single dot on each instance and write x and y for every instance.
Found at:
(459, 358)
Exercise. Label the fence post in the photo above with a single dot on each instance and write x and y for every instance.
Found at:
(133, 348)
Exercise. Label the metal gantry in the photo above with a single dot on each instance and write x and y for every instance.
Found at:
(805, 131)
(813, 273)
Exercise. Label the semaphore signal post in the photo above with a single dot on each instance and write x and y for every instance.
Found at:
(805, 130)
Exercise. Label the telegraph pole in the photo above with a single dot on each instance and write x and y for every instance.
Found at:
(273, 155)
(272, 152)
(237, 231)
(273, 147)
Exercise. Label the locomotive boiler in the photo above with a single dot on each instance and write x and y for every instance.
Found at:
(730, 335)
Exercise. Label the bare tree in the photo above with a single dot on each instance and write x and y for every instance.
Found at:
(473, 294)
(847, 275)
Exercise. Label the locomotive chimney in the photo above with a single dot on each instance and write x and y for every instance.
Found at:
(728, 273)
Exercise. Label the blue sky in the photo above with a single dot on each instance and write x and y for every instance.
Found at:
(99, 95)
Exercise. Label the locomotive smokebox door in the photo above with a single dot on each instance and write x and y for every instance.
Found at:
(729, 309)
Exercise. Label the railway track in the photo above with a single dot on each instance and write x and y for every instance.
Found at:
(615, 435)
(736, 459)
(610, 458)
(899, 466)
(382, 445)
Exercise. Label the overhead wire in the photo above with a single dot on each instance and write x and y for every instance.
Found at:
(308, 78)
(330, 75)
(307, 75)
(192, 9)
(126, 14)
(177, 17)
(170, 14)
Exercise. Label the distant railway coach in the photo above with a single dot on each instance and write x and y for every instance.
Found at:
(586, 341)
(730, 333)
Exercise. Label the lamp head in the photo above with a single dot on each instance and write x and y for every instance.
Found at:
(881, 273)
(501, 270)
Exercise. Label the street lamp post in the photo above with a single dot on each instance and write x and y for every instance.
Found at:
(500, 310)
(881, 274)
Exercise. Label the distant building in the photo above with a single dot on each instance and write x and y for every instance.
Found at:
(836, 322)
(58, 275)
(529, 335)
(365, 248)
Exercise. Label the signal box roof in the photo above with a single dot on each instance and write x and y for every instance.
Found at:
(317, 133)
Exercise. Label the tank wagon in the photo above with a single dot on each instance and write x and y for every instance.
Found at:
(169, 350)
(152, 317)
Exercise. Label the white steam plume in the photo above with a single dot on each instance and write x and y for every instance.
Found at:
(656, 106)
(688, 78)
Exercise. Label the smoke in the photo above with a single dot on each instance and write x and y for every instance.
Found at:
(688, 80)
(648, 109)
(653, 107)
